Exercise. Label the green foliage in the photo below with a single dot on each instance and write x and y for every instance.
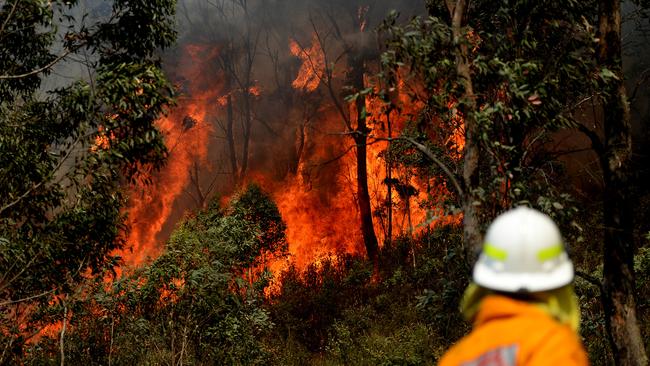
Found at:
(254, 207)
(25, 45)
(642, 270)
(406, 345)
(530, 64)
(308, 302)
(65, 152)
(192, 305)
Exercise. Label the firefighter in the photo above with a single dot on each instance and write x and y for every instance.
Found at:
(521, 301)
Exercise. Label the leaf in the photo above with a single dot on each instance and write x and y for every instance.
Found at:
(607, 74)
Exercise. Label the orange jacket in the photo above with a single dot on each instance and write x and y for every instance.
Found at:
(508, 332)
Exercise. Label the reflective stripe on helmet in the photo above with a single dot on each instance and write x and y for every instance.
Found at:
(550, 253)
(494, 252)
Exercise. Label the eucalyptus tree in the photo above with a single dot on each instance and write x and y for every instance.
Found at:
(66, 151)
(505, 74)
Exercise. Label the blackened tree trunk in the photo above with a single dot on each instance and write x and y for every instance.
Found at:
(245, 86)
(246, 127)
(230, 133)
(360, 135)
(389, 185)
(357, 54)
(618, 271)
(236, 59)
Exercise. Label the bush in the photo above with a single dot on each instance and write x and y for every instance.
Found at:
(190, 306)
(339, 313)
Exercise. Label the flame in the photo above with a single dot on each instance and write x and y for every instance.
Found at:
(362, 11)
(255, 90)
(319, 222)
(322, 222)
(152, 205)
(313, 64)
(102, 140)
(318, 203)
(418, 202)
(187, 138)
(457, 138)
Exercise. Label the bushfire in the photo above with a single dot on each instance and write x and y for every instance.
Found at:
(317, 198)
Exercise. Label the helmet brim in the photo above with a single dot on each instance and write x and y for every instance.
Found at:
(485, 276)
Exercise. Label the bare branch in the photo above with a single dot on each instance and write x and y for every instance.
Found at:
(346, 133)
(38, 185)
(266, 124)
(36, 71)
(26, 298)
(4, 285)
(596, 142)
(336, 157)
(328, 79)
(62, 344)
(11, 13)
(423, 149)
(578, 104)
(645, 75)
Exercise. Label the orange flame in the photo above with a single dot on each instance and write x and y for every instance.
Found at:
(313, 64)
(102, 140)
(186, 136)
(322, 222)
(317, 203)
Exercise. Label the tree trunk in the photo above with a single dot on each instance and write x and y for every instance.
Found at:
(389, 185)
(300, 148)
(618, 271)
(247, 125)
(360, 138)
(230, 134)
(472, 239)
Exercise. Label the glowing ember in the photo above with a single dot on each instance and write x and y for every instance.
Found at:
(102, 140)
(361, 16)
(255, 90)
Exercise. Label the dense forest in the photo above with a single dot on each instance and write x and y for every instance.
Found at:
(268, 182)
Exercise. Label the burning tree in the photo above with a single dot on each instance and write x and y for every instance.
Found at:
(343, 56)
(353, 116)
(230, 31)
(282, 124)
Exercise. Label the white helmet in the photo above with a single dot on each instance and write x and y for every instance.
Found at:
(523, 252)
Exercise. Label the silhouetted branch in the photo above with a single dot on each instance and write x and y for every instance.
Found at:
(36, 71)
(645, 75)
(26, 298)
(596, 142)
(428, 153)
